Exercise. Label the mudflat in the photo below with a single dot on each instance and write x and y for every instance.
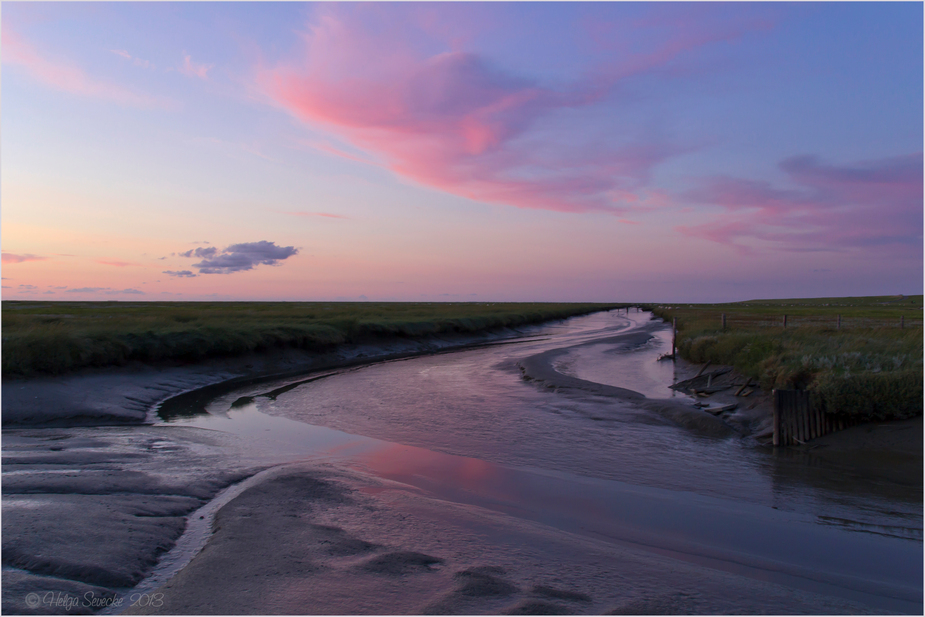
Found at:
(310, 540)
(94, 509)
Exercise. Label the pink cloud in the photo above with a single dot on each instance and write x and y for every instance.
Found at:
(194, 69)
(136, 61)
(868, 203)
(113, 262)
(455, 122)
(12, 258)
(66, 76)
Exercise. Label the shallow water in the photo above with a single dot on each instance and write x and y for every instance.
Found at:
(468, 428)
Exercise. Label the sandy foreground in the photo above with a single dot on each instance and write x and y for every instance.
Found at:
(93, 496)
(89, 512)
(309, 540)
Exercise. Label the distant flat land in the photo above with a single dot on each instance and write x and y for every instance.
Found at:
(56, 337)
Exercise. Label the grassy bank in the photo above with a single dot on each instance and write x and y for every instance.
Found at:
(56, 337)
(868, 363)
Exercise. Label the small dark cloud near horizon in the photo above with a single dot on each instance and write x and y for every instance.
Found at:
(106, 290)
(28, 287)
(180, 273)
(13, 258)
(239, 257)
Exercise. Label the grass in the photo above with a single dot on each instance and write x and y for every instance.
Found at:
(57, 337)
(870, 367)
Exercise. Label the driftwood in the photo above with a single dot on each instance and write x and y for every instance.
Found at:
(722, 408)
(713, 389)
(715, 410)
(744, 385)
(702, 369)
(699, 383)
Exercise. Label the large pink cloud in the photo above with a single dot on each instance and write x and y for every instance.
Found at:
(455, 121)
(68, 77)
(864, 204)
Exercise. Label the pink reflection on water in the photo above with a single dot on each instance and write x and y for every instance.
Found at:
(411, 465)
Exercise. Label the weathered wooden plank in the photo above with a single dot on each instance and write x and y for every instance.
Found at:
(791, 421)
(807, 426)
(813, 426)
(776, 417)
(804, 421)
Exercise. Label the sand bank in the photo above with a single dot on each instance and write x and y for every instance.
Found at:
(890, 450)
(541, 369)
(126, 395)
(91, 510)
(316, 541)
(92, 497)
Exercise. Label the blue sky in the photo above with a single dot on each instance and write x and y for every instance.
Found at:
(498, 151)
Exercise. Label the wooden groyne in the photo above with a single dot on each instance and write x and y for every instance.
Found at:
(796, 422)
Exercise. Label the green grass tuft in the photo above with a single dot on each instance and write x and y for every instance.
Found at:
(870, 367)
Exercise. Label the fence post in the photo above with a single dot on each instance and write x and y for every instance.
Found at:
(776, 395)
(724, 322)
(674, 336)
(785, 321)
(902, 322)
(838, 325)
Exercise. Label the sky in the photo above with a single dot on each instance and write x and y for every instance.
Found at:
(605, 152)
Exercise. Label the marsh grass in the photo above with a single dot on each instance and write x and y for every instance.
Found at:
(57, 337)
(870, 367)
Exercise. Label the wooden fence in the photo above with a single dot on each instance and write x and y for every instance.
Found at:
(731, 321)
(795, 420)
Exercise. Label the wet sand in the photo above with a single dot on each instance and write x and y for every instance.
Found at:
(316, 541)
(101, 505)
(91, 510)
(127, 395)
(93, 496)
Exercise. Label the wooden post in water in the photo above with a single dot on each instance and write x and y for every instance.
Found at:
(807, 427)
(814, 429)
(674, 336)
(776, 417)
